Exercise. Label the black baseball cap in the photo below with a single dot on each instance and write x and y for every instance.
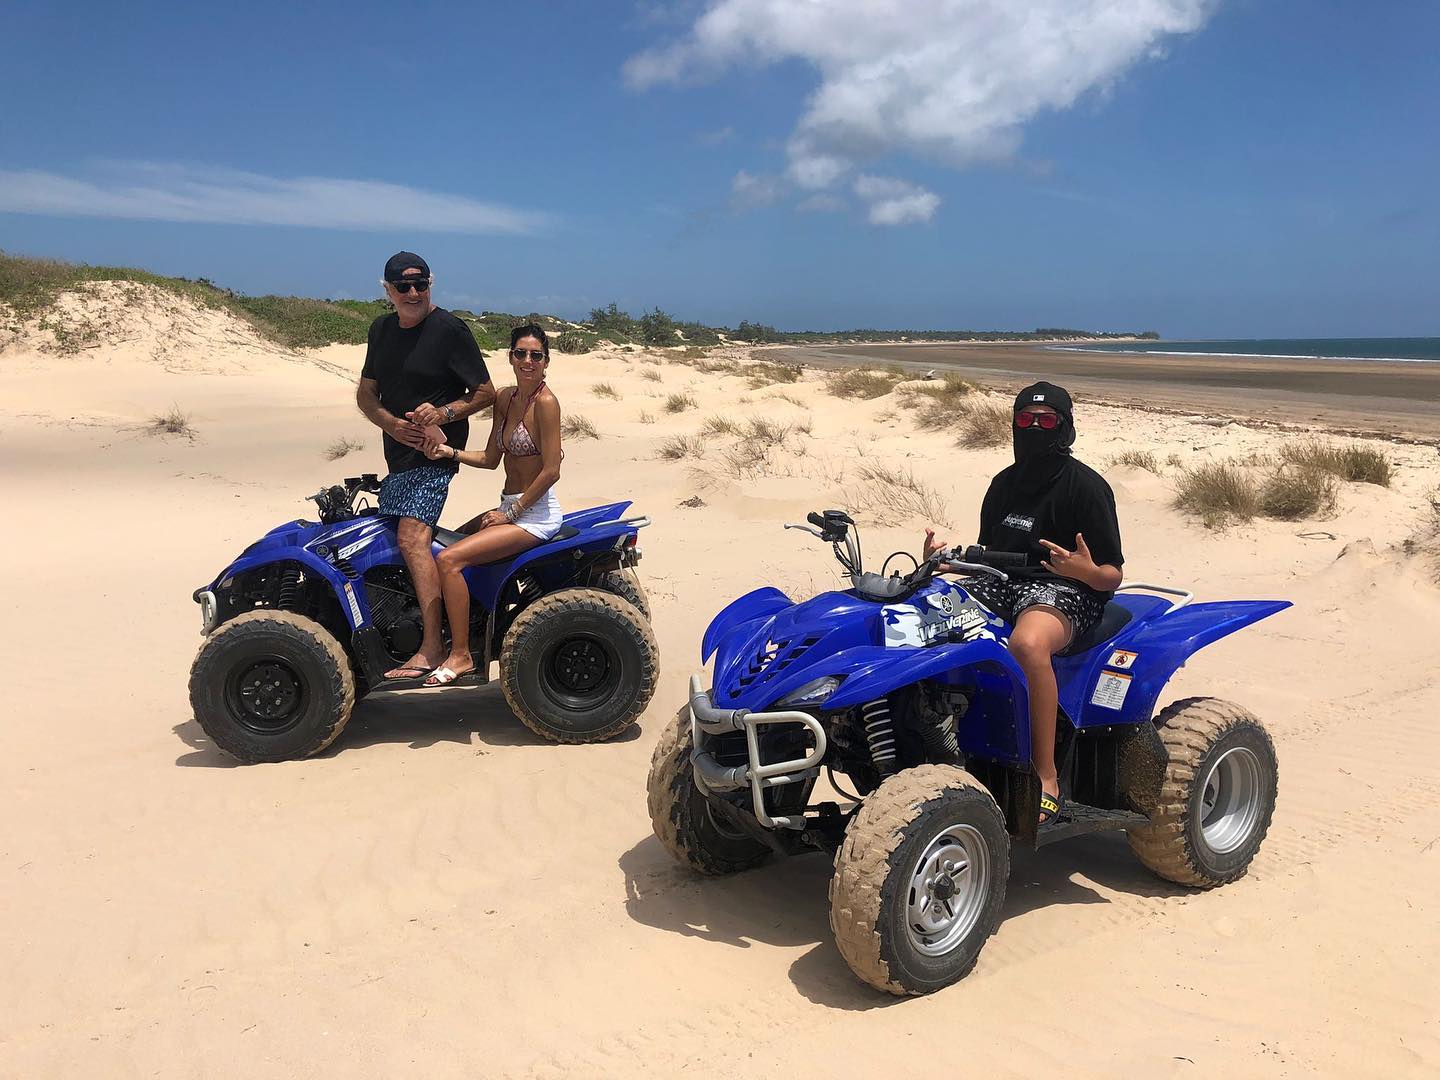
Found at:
(401, 261)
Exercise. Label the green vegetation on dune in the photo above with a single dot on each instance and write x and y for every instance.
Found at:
(30, 288)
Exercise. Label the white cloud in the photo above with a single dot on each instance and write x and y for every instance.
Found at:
(896, 202)
(821, 203)
(749, 191)
(954, 81)
(160, 192)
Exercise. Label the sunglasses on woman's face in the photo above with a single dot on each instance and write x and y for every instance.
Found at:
(1045, 421)
(532, 354)
(403, 287)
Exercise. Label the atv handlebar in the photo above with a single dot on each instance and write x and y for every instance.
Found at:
(337, 502)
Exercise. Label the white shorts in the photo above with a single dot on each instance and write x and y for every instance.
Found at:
(543, 520)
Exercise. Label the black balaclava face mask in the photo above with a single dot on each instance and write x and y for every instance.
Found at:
(1042, 454)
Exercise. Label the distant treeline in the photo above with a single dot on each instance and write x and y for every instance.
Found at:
(30, 286)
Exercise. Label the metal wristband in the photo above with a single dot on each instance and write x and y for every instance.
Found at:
(449, 413)
(513, 511)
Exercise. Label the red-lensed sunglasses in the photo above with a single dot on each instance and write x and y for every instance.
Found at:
(1045, 421)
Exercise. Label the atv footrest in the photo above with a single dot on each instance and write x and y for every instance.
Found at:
(1077, 818)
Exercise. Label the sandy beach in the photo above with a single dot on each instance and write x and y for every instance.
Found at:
(442, 894)
(1387, 399)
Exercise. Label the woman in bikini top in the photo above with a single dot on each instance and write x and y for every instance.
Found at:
(525, 437)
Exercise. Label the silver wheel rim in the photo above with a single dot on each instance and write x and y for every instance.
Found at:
(1230, 800)
(948, 886)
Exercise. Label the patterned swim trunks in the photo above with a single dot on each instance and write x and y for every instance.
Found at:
(417, 493)
(1081, 606)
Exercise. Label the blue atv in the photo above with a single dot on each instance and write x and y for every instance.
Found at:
(310, 617)
(904, 684)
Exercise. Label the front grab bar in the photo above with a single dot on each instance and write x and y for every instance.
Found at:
(706, 718)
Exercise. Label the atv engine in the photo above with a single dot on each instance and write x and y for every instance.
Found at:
(394, 610)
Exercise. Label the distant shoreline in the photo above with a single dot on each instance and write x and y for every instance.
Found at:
(1396, 400)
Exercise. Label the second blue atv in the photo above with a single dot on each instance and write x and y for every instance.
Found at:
(904, 684)
(310, 617)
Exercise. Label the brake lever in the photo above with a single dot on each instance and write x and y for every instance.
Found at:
(806, 528)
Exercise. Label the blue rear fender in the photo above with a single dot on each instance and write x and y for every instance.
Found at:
(487, 581)
(1160, 647)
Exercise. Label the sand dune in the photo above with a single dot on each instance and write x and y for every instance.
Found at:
(441, 894)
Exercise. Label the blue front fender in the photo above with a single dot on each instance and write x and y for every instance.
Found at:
(353, 602)
(753, 605)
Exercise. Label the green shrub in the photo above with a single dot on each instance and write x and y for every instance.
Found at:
(576, 341)
(766, 374)
(1356, 462)
(861, 383)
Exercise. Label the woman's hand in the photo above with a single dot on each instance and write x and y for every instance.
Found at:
(493, 517)
(437, 451)
(932, 545)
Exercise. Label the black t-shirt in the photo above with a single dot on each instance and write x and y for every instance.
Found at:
(437, 361)
(1016, 518)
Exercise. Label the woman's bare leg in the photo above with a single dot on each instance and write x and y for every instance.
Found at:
(489, 544)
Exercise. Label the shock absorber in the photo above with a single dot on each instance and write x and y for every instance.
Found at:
(880, 734)
(289, 586)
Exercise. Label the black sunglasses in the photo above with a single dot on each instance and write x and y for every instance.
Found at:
(534, 354)
(403, 287)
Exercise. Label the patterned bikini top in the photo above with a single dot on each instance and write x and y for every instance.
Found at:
(519, 441)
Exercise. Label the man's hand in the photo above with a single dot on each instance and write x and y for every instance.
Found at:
(425, 414)
(403, 431)
(932, 545)
(1077, 564)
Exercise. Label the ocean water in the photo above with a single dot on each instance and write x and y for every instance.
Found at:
(1392, 348)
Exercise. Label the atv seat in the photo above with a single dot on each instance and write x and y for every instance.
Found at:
(1111, 623)
(446, 537)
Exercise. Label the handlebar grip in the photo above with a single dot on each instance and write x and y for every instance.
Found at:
(977, 554)
(816, 520)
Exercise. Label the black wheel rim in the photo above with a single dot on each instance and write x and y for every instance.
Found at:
(266, 696)
(580, 672)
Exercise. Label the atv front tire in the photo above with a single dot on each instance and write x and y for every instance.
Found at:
(920, 880)
(681, 815)
(579, 665)
(271, 686)
(1217, 798)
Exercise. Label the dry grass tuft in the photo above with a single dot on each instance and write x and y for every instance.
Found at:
(862, 383)
(605, 389)
(646, 416)
(716, 426)
(767, 374)
(174, 422)
(984, 423)
(1292, 492)
(340, 447)
(1356, 462)
(678, 447)
(1218, 492)
(1138, 459)
(781, 395)
(653, 374)
(892, 491)
(767, 432)
(678, 403)
(577, 427)
(713, 367)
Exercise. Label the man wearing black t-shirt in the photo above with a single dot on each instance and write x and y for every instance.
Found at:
(422, 369)
(1061, 514)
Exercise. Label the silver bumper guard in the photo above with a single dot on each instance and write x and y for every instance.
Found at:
(706, 719)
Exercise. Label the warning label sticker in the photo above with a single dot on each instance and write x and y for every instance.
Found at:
(1110, 690)
(1121, 659)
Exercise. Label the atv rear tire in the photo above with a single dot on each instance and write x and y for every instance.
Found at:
(627, 585)
(579, 665)
(680, 813)
(1217, 798)
(271, 686)
(920, 880)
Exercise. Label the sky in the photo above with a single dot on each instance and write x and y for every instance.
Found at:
(1203, 168)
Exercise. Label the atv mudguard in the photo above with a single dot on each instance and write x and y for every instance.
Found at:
(753, 605)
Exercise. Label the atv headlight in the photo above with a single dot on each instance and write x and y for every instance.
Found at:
(812, 693)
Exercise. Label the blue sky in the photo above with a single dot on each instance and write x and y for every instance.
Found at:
(1213, 169)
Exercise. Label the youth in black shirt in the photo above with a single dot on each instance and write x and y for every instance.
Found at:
(1061, 514)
